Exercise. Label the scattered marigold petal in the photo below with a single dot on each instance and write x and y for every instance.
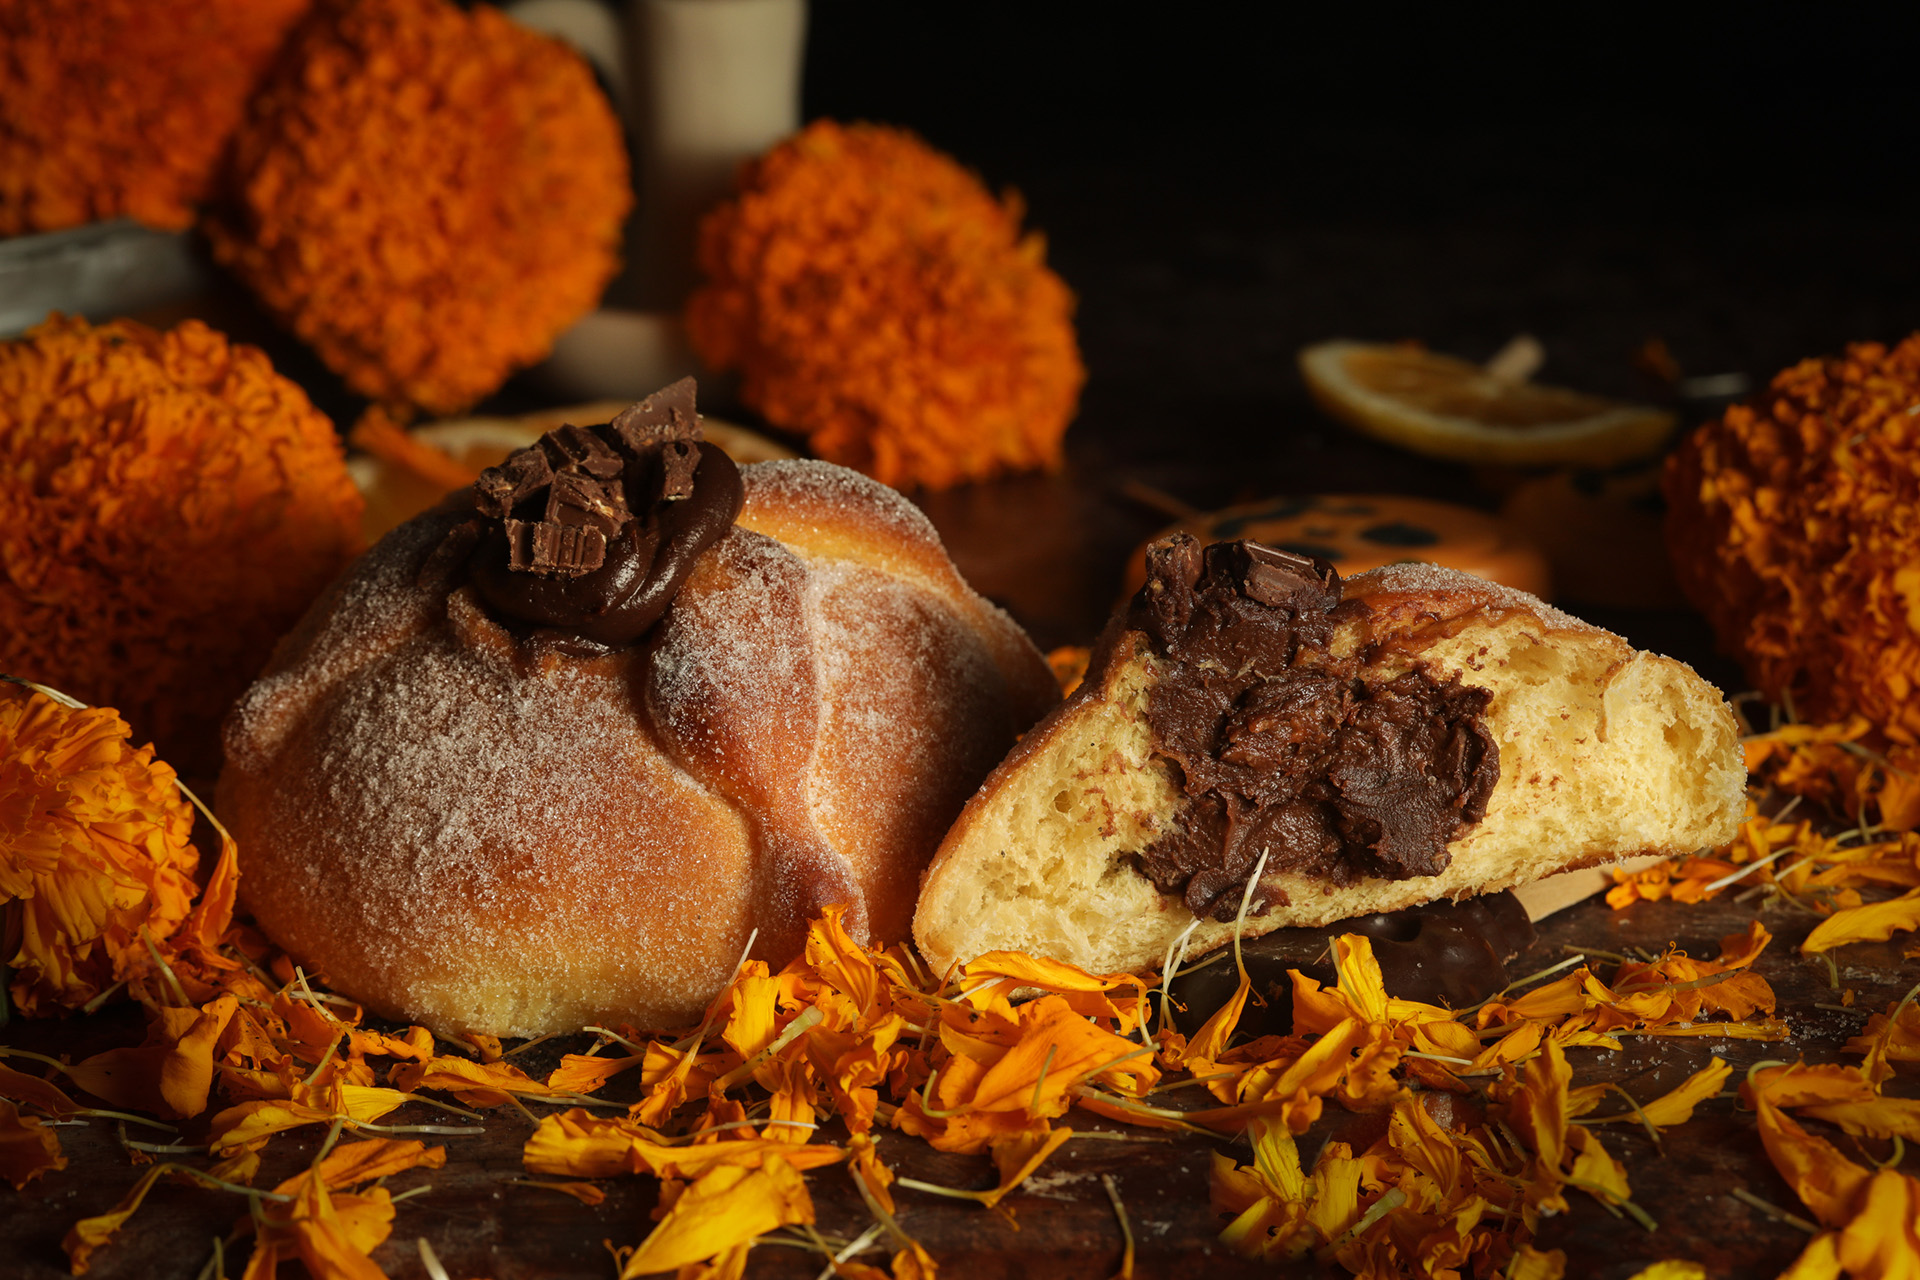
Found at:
(724, 1208)
(1676, 1106)
(1534, 1264)
(1671, 1269)
(579, 1144)
(585, 1192)
(170, 1075)
(1873, 922)
(18, 1086)
(482, 1084)
(27, 1147)
(1882, 1242)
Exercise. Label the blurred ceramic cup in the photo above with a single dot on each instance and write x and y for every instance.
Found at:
(593, 31)
(714, 83)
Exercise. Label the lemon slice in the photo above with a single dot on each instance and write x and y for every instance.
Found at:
(402, 473)
(1449, 408)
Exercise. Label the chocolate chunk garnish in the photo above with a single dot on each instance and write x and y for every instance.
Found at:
(591, 531)
(579, 450)
(665, 415)
(500, 489)
(1283, 748)
(1277, 578)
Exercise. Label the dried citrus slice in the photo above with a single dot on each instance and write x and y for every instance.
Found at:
(1449, 408)
(401, 473)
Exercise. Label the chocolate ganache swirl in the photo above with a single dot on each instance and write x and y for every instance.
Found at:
(590, 531)
(1284, 747)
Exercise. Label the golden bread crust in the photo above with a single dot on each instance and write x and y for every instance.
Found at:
(1605, 753)
(464, 831)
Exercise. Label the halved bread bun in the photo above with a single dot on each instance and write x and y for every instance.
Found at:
(1602, 753)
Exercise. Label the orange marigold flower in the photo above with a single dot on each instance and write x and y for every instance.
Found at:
(429, 198)
(112, 108)
(876, 297)
(1794, 523)
(172, 505)
(94, 848)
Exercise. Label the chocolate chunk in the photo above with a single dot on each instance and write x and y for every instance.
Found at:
(590, 532)
(576, 499)
(1283, 749)
(579, 449)
(667, 414)
(500, 489)
(1278, 578)
(677, 462)
(1173, 567)
(567, 550)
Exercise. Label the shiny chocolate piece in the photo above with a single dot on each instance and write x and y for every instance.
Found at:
(1284, 749)
(590, 531)
(1444, 953)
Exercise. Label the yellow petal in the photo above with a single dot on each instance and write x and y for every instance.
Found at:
(726, 1207)
(170, 1074)
(1890, 1037)
(88, 1235)
(1212, 1039)
(1671, 1269)
(1538, 1108)
(1595, 1167)
(353, 1163)
(580, 1073)
(1530, 1263)
(1826, 1181)
(751, 1027)
(1882, 1242)
(1820, 1260)
(1801, 1085)
(335, 1245)
(1084, 992)
(1360, 979)
(580, 1144)
(1017, 1158)
(366, 1103)
(35, 1092)
(482, 1084)
(27, 1147)
(1677, 1106)
(585, 1192)
(1334, 1194)
(240, 1126)
(1873, 922)
(1878, 1118)
(1063, 1045)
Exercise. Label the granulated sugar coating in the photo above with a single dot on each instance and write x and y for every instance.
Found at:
(1465, 591)
(461, 827)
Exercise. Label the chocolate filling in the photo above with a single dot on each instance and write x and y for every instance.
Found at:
(1284, 749)
(590, 531)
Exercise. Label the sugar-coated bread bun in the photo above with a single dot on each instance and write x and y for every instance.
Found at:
(1567, 748)
(464, 828)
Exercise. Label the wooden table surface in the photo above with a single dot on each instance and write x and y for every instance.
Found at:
(480, 1223)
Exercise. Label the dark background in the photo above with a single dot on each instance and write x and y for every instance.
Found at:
(1224, 185)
